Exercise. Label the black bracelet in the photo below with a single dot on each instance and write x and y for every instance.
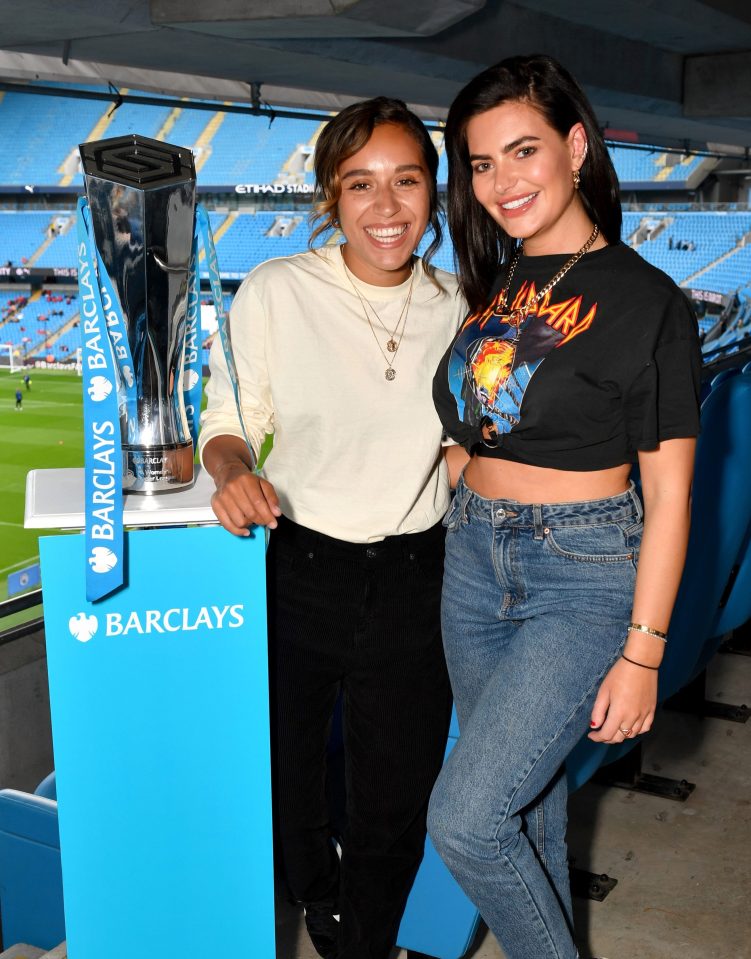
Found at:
(634, 662)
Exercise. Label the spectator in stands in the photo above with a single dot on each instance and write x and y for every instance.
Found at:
(549, 629)
(335, 349)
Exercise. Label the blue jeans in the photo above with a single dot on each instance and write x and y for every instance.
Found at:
(536, 600)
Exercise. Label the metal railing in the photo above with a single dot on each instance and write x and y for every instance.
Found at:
(18, 604)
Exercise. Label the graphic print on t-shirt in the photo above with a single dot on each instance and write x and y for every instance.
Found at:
(492, 361)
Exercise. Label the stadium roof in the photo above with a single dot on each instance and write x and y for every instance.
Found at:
(673, 72)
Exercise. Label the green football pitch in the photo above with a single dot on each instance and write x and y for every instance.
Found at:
(46, 433)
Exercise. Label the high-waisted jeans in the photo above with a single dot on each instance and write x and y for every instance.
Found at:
(536, 601)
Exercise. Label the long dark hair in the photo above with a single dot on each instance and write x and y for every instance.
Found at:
(348, 132)
(480, 245)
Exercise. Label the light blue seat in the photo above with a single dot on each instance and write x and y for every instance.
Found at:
(31, 899)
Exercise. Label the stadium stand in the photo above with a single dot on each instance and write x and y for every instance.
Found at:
(230, 148)
(234, 148)
(186, 126)
(654, 169)
(35, 328)
(246, 149)
(49, 130)
(709, 251)
(706, 249)
(22, 235)
(250, 240)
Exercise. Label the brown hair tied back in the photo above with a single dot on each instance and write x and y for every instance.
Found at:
(348, 132)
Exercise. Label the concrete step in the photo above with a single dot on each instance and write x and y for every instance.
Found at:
(22, 951)
(59, 952)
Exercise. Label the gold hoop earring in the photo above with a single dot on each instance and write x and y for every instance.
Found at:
(577, 179)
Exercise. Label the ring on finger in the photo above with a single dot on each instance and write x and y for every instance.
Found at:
(624, 731)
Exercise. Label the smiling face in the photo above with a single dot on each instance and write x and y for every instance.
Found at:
(384, 206)
(522, 174)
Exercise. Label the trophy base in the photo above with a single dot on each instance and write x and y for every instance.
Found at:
(157, 469)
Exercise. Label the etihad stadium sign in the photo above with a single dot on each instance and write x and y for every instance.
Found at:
(275, 188)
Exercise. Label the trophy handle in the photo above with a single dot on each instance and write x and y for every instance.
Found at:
(166, 267)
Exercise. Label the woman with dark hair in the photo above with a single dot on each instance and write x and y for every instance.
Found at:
(577, 359)
(335, 349)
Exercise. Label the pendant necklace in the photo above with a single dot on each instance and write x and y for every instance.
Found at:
(517, 317)
(394, 339)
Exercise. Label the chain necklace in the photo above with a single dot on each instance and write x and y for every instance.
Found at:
(517, 317)
(392, 344)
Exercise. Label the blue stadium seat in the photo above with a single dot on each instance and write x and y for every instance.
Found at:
(721, 519)
(720, 522)
(439, 920)
(724, 375)
(31, 899)
(736, 603)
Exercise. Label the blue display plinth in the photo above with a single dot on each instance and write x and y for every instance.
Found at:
(159, 701)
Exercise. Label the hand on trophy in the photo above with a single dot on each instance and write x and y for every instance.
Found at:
(242, 499)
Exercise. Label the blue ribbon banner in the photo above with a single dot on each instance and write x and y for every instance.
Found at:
(109, 390)
(212, 264)
(193, 354)
(101, 423)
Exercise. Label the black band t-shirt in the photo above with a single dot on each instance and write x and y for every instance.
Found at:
(606, 364)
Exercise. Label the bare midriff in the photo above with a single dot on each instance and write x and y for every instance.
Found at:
(503, 479)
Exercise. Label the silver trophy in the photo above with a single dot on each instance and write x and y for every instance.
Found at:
(142, 197)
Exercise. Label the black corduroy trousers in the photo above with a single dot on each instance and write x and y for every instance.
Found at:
(361, 621)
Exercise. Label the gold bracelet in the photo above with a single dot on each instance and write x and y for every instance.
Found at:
(638, 628)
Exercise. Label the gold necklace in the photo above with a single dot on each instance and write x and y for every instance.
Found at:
(517, 317)
(392, 344)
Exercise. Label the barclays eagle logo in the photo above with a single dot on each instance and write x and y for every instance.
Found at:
(83, 627)
(190, 378)
(100, 388)
(102, 559)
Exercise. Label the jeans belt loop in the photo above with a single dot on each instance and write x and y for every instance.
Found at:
(636, 502)
(537, 515)
(464, 503)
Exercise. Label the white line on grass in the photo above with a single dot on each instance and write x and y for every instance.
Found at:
(38, 404)
(23, 562)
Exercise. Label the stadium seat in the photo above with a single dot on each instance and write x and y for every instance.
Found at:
(736, 606)
(720, 523)
(31, 897)
(736, 603)
(720, 530)
(439, 920)
(724, 375)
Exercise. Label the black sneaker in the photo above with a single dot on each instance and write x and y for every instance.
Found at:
(323, 928)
